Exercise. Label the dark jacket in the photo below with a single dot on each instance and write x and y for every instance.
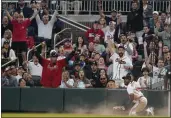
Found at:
(3, 28)
(27, 12)
(148, 12)
(135, 19)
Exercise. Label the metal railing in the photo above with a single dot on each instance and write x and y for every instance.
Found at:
(91, 6)
(72, 21)
(16, 59)
(73, 25)
(30, 50)
(55, 37)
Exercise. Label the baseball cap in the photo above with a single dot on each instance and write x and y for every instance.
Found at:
(113, 10)
(121, 47)
(94, 63)
(127, 77)
(53, 53)
(156, 12)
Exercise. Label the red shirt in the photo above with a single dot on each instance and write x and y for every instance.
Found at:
(20, 30)
(30, 42)
(52, 78)
(91, 33)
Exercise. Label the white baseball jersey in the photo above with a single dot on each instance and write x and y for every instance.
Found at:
(145, 82)
(132, 89)
(118, 69)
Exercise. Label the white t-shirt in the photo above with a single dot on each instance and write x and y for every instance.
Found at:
(142, 80)
(35, 70)
(110, 34)
(157, 71)
(159, 80)
(12, 55)
(18, 77)
(118, 69)
(45, 30)
(132, 89)
(70, 82)
(81, 84)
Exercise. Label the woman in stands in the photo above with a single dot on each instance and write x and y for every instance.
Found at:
(101, 63)
(102, 72)
(82, 81)
(145, 81)
(66, 81)
(22, 83)
(102, 24)
(7, 37)
(167, 59)
(7, 53)
(111, 84)
(80, 44)
(103, 81)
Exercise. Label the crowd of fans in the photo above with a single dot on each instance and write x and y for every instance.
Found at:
(108, 52)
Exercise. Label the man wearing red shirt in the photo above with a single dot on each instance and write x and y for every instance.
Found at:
(52, 69)
(93, 32)
(19, 41)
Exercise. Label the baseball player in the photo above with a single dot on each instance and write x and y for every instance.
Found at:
(137, 97)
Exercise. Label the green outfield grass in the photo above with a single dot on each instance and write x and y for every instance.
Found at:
(41, 115)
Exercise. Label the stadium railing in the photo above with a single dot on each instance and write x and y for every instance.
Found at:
(55, 37)
(30, 50)
(90, 6)
(10, 62)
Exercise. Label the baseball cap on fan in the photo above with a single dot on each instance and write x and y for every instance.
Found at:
(156, 12)
(114, 11)
(53, 53)
(127, 77)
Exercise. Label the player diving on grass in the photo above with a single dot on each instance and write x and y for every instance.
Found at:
(137, 97)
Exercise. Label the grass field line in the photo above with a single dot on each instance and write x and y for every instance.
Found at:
(38, 115)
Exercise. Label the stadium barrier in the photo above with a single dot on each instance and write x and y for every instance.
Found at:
(16, 61)
(74, 100)
(91, 6)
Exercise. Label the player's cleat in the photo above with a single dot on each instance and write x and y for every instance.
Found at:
(150, 111)
(132, 114)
